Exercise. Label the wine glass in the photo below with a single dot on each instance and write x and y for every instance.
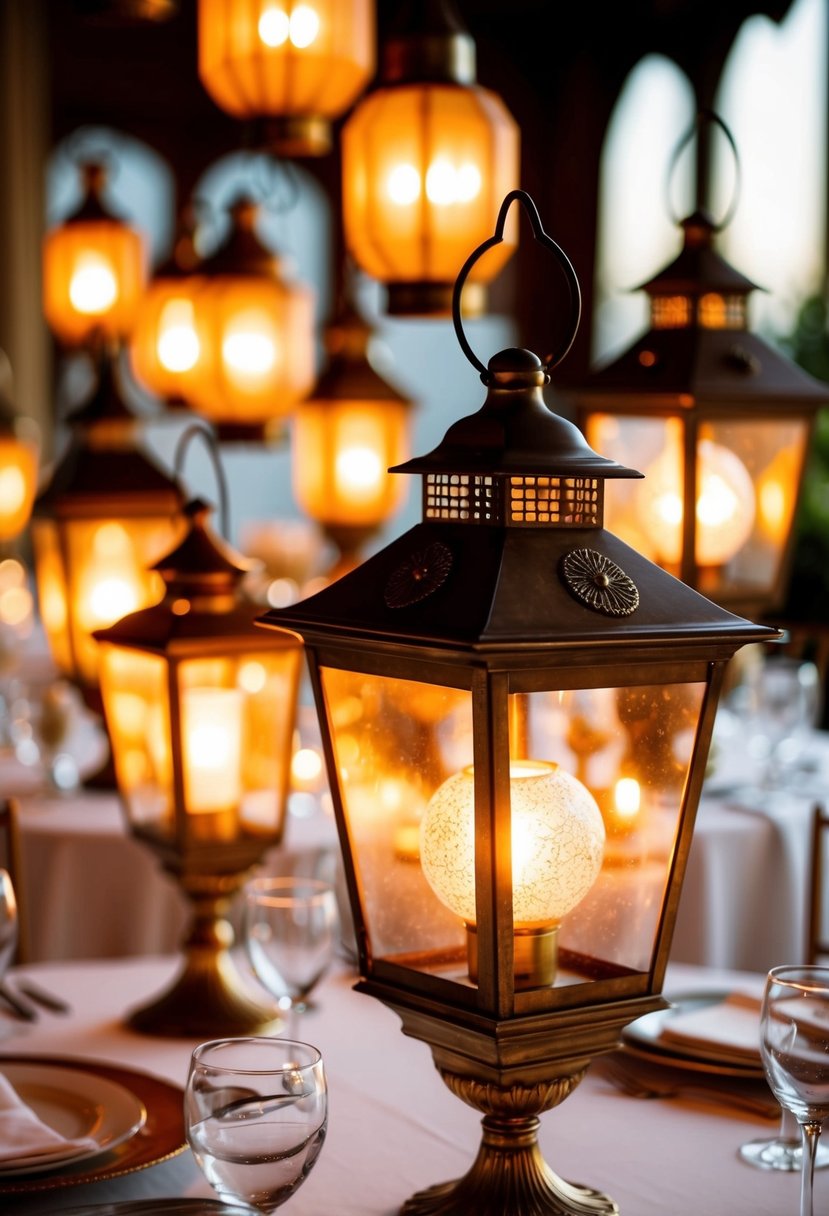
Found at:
(794, 1045)
(256, 1113)
(290, 928)
(786, 700)
(783, 1151)
(8, 922)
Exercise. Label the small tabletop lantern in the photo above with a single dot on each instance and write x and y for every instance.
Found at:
(255, 330)
(200, 705)
(458, 673)
(94, 270)
(293, 67)
(346, 434)
(106, 514)
(426, 154)
(720, 424)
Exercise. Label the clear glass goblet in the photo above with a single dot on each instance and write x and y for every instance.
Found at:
(794, 1045)
(783, 1151)
(255, 1113)
(786, 701)
(290, 929)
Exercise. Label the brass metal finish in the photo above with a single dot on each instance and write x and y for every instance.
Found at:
(297, 135)
(599, 582)
(535, 956)
(509, 1176)
(404, 299)
(209, 997)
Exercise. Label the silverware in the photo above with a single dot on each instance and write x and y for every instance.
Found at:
(16, 1004)
(40, 996)
(650, 1083)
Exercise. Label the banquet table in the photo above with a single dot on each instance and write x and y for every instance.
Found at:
(394, 1128)
(94, 891)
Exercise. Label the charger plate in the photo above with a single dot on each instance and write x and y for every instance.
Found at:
(643, 1038)
(160, 1137)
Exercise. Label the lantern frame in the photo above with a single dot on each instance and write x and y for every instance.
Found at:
(700, 381)
(103, 476)
(204, 615)
(502, 599)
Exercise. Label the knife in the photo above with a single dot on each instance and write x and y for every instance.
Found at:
(15, 1003)
(41, 997)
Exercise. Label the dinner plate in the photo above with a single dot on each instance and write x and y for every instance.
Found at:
(75, 1104)
(643, 1037)
(161, 1137)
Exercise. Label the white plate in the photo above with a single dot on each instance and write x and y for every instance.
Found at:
(75, 1104)
(643, 1037)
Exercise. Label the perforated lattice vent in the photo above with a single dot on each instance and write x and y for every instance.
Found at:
(573, 501)
(465, 497)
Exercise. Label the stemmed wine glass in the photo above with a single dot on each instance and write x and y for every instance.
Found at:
(290, 928)
(783, 1151)
(794, 1045)
(786, 697)
(255, 1113)
(8, 922)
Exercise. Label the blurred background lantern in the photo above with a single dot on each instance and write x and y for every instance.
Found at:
(346, 434)
(448, 670)
(94, 269)
(295, 66)
(164, 346)
(427, 156)
(255, 329)
(200, 705)
(19, 457)
(719, 421)
(107, 512)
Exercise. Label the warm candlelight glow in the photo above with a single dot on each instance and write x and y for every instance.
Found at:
(557, 843)
(177, 343)
(18, 481)
(93, 287)
(306, 767)
(212, 734)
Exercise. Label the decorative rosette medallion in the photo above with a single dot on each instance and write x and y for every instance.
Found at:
(419, 577)
(599, 582)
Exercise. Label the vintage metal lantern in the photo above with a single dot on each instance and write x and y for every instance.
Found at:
(108, 511)
(346, 434)
(427, 155)
(254, 326)
(94, 269)
(480, 683)
(720, 424)
(296, 67)
(200, 705)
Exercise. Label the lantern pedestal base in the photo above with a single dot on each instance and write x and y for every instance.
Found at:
(208, 999)
(510, 1177)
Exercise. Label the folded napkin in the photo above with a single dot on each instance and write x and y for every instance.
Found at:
(24, 1137)
(730, 1027)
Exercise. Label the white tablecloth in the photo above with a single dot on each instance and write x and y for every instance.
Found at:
(394, 1127)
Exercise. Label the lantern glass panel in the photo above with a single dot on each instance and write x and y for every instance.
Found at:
(395, 741)
(165, 346)
(52, 594)
(591, 850)
(134, 687)
(235, 713)
(758, 463)
(421, 166)
(18, 481)
(94, 274)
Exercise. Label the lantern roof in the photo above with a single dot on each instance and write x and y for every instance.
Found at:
(492, 588)
(241, 252)
(351, 373)
(92, 206)
(698, 268)
(103, 471)
(203, 609)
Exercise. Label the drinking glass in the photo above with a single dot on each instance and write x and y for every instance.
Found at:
(794, 1045)
(786, 702)
(290, 929)
(783, 1151)
(255, 1113)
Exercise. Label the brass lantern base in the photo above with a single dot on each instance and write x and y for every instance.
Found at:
(510, 1177)
(208, 999)
(535, 956)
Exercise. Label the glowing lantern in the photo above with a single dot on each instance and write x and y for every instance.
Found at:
(200, 706)
(19, 456)
(94, 270)
(346, 435)
(165, 347)
(720, 424)
(451, 663)
(297, 66)
(427, 155)
(107, 513)
(255, 333)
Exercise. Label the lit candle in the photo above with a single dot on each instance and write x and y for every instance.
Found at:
(212, 735)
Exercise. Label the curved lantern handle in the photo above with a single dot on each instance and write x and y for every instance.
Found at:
(566, 265)
(208, 435)
(704, 117)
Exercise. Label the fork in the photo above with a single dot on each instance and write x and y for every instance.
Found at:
(636, 1083)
